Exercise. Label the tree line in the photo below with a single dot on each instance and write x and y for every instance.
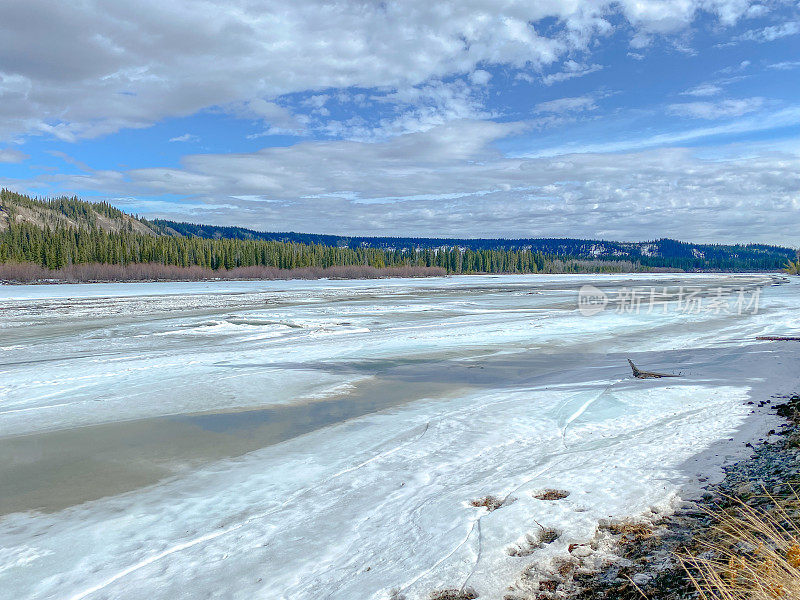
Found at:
(60, 246)
(61, 232)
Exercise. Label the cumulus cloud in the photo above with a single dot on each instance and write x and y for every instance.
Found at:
(716, 110)
(451, 181)
(279, 120)
(480, 77)
(414, 109)
(130, 65)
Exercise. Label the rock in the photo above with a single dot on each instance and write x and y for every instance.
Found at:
(581, 551)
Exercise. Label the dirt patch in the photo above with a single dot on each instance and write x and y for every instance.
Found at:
(551, 494)
(490, 502)
(629, 531)
(454, 594)
(533, 541)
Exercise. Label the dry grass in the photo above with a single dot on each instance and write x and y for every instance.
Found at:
(488, 502)
(551, 495)
(565, 567)
(751, 554)
(792, 267)
(548, 535)
(631, 530)
(32, 273)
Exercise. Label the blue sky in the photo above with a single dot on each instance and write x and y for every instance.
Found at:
(628, 120)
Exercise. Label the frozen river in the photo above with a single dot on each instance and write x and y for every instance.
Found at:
(310, 440)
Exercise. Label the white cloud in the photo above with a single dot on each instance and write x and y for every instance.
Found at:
(705, 89)
(571, 70)
(416, 109)
(278, 119)
(785, 65)
(480, 77)
(450, 181)
(716, 110)
(735, 68)
(756, 10)
(186, 137)
(567, 105)
(771, 33)
(10, 155)
(130, 65)
(761, 122)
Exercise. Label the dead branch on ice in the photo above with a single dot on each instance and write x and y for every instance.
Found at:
(639, 374)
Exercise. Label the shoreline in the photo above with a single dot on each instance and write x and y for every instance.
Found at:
(323, 277)
(637, 557)
(90, 273)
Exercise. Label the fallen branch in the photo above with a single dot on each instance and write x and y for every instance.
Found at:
(779, 338)
(639, 374)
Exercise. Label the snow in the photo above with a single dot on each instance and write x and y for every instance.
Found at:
(535, 396)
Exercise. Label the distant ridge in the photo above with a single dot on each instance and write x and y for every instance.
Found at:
(36, 230)
(664, 252)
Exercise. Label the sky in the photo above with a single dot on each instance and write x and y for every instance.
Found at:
(628, 120)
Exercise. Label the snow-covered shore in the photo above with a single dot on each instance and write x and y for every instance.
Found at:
(509, 391)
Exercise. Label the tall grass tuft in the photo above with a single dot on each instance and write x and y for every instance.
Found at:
(793, 267)
(751, 553)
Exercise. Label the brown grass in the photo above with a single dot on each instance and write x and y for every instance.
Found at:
(488, 502)
(550, 494)
(631, 529)
(565, 567)
(751, 554)
(33, 273)
(548, 535)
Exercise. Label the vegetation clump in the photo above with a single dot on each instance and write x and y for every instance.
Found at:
(750, 554)
(532, 542)
(455, 594)
(630, 531)
(488, 502)
(793, 267)
(550, 494)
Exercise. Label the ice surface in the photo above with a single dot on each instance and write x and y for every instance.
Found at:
(539, 397)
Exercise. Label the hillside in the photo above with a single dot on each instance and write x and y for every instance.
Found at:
(65, 231)
(665, 253)
(67, 212)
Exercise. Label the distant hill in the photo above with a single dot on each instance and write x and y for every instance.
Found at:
(68, 212)
(658, 253)
(62, 231)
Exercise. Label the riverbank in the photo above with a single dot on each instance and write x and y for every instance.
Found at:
(642, 557)
(30, 273)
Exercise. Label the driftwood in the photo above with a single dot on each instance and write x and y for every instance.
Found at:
(639, 374)
(778, 338)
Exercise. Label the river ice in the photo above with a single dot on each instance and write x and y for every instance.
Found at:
(464, 387)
